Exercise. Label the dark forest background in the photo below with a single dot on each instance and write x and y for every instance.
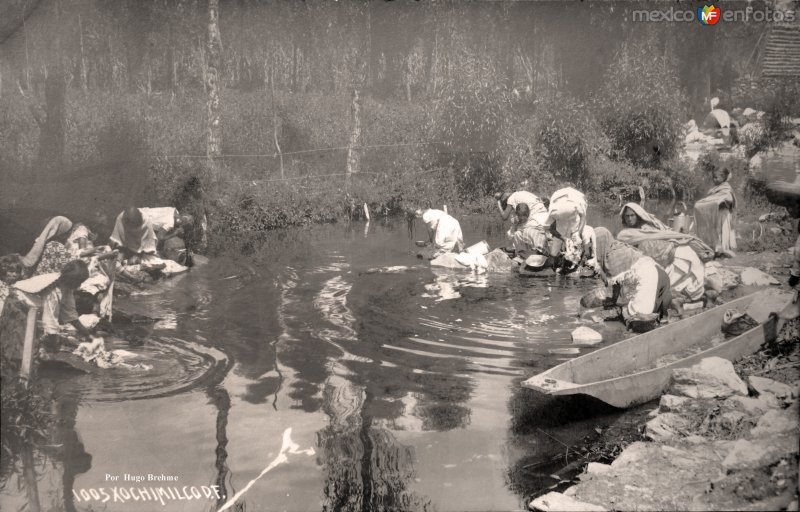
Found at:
(325, 105)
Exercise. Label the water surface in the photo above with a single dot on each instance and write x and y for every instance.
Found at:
(405, 382)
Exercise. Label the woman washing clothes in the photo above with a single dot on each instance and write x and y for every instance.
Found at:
(49, 252)
(714, 215)
(682, 255)
(639, 285)
(133, 236)
(567, 218)
(444, 232)
(58, 306)
(534, 242)
(507, 203)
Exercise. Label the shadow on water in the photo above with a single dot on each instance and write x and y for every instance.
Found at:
(532, 410)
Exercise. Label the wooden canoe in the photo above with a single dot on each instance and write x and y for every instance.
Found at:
(627, 373)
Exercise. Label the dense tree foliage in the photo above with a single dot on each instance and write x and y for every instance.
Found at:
(457, 99)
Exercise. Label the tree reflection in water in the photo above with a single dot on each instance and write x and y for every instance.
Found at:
(366, 468)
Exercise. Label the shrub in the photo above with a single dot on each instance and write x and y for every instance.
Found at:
(553, 146)
(467, 117)
(685, 181)
(642, 106)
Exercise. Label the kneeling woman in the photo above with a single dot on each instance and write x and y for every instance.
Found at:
(682, 255)
(58, 308)
(444, 232)
(640, 285)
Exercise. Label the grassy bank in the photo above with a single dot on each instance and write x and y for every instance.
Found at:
(285, 154)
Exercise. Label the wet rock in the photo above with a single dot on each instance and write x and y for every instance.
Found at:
(754, 277)
(776, 421)
(586, 336)
(555, 501)
(666, 426)
(713, 377)
(498, 261)
(671, 403)
(747, 453)
(595, 298)
(771, 387)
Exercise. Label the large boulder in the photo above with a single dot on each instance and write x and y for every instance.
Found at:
(713, 377)
(498, 261)
(586, 336)
(750, 454)
(766, 386)
(775, 422)
(754, 277)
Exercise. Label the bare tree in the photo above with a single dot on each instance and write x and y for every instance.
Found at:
(213, 75)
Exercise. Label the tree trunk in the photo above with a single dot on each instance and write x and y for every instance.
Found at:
(53, 134)
(275, 117)
(171, 64)
(213, 59)
(428, 52)
(353, 155)
(294, 67)
(27, 55)
(84, 74)
(408, 77)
